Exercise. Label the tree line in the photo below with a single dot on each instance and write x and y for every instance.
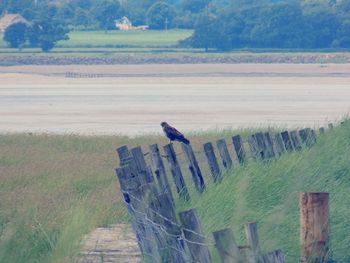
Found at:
(283, 24)
(217, 24)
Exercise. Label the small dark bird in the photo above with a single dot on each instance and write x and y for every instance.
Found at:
(173, 134)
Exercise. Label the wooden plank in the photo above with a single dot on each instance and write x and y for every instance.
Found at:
(163, 216)
(195, 239)
(313, 136)
(278, 144)
(251, 231)
(225, 155)
(194, 167)
(307, 137)
(268, 145)
(137, 202)
(238, 147)
(124, 155)
(314, 227)
(212, 161)
(296, 140)
(141, 164)
(226, 245)
(253, 146)
(261, 145)
(304, 136)
(287, 141)
(247, 255)
(159, 170)
(176, 172)
(274, 257)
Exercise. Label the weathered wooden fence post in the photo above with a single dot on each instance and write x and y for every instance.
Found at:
(141, 164)
(314, 227)
(176, 172)
(261, 145)
(226, 245)
(274, 257)
(225, 156)
(194, 167)
(278, 144)
(297, 144)
(195, 239)
(254, 147)
(251, 231)
(124, 155)
(163, 216)
(287, 141)
(159, 170)
(212, 161)
(238, 146)
(137, 202)
(308, 137)
(268, 145)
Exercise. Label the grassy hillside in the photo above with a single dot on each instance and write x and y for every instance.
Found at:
(55, 189)
(269, 194)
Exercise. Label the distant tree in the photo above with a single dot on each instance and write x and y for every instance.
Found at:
(106, 12)
(66, 12)
(15, 35)
(161, 15)
(81, 18)
(343, 35)
(47, 33)
(194, 6)
(279, 26)
(323, 26)
(186, 20)
(83, 4)
(209, 33)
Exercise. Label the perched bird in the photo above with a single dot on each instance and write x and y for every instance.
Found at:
(173, 134)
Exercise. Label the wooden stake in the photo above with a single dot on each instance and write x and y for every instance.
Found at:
(287, 141)
(296, 140)
(194, 168)
(176, 172)
(314, 227)
(212, 161)
(196, 241)
(159, 170)
(226, 245)
(225, 156)
(238, 146)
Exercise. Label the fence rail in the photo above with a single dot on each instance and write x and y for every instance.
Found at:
(148, 197)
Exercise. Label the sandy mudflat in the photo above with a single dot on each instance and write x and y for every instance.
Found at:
(133, 99)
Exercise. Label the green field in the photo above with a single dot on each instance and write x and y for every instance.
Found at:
(55, 189)
(149, 38)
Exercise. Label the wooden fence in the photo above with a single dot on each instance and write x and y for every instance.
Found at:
(164, 236)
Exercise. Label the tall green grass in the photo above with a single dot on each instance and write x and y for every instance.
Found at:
(268, 193)
(56, 189)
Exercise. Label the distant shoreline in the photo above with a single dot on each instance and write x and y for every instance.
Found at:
(172, 58)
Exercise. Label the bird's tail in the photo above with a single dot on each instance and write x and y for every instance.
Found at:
(185, 141)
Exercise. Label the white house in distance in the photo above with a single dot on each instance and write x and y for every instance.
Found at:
(9, 19)
(125, 24)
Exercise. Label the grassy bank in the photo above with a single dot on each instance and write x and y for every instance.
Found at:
(55, 189)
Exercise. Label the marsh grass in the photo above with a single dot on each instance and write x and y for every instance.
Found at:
(55, 189)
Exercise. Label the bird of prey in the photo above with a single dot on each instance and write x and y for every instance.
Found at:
(173, 134)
